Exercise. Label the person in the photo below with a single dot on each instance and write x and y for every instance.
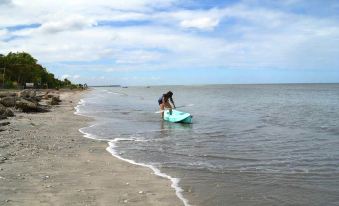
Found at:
(164, 103)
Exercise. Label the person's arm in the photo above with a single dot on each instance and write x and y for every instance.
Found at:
(172, 102)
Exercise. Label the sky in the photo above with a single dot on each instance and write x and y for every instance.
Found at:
(158, 42)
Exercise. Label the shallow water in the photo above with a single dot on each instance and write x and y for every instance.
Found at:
(248, 144)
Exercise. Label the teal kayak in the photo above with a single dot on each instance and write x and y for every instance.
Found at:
(177, 116)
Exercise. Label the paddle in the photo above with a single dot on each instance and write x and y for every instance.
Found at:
(188, 105)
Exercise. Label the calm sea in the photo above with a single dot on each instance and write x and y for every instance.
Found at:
(248, 144)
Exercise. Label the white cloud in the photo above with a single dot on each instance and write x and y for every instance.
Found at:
(70, 77)
(76, 76)
(65, 76)
(200, 23)
(5, 2)
(265, 37)
(69, 24)
(3, 34)
(41, 11)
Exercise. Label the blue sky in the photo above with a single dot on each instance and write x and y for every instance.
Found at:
(154, 42)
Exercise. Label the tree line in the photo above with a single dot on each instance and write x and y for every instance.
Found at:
(20, 68)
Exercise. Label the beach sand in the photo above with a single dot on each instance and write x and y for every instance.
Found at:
(45, 160)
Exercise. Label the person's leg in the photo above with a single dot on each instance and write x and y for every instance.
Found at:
(169, 106)
(162, 108)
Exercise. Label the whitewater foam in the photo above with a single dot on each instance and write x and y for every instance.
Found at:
(77, 108)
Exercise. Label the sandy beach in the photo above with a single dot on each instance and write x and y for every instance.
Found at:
(45, 160)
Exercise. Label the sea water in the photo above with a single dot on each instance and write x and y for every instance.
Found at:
(248, 144)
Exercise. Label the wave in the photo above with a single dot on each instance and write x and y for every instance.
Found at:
(111, 149)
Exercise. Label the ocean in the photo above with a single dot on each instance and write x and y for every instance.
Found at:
(273, 144)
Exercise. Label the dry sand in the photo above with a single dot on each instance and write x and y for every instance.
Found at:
(45, 160)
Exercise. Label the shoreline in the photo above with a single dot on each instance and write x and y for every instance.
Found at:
(112, 144)
(46, 160)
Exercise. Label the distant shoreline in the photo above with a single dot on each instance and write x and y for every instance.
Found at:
(119, 86)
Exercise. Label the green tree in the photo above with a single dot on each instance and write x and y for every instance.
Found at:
(22, 68)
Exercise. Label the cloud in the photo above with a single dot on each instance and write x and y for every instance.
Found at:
(69, 24)
(70, 77)
(5, 2)
(200, 23)
(241, 35)
(65, 76)
(3, 34)
(76, 76)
